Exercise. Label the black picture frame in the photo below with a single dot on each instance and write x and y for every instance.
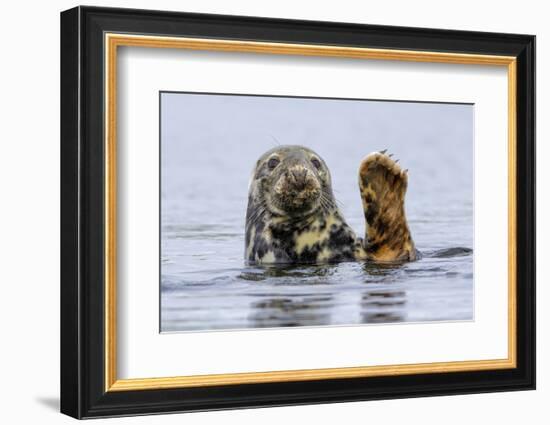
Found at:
(83, 392)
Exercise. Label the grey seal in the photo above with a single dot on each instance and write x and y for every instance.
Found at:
(293, 218)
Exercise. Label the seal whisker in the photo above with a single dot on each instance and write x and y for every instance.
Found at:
(327, 203)
(277, 143)
(258, 212)
(261, 209)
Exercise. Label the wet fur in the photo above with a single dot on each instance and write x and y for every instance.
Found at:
(383, 185)
(314, 230)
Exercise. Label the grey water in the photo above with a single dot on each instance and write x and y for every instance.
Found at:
(209, 146)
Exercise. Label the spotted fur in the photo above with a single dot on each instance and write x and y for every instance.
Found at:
(292, 216)
(383, 185)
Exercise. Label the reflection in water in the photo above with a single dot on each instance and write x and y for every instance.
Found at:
(438, 287)
(306, 310)
(315, 308)
(287, 273)
(383, 306)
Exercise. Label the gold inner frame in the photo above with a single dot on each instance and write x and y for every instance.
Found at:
(113, 41)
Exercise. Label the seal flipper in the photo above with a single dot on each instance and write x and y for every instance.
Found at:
(383, 185)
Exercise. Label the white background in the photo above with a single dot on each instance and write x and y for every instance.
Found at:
(143, 352)
(29, 172)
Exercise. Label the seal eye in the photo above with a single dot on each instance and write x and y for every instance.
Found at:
(272, 163)
(316, 163)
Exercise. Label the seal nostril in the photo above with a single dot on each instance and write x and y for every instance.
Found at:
(299, 178)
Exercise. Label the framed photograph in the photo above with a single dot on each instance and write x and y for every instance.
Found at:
(261, 212)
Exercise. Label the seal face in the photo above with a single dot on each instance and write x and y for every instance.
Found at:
(292, 216)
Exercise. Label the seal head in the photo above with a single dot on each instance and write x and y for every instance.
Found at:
(292, 216)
